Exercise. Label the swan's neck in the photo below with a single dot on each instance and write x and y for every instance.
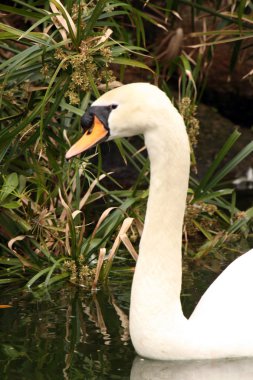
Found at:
(157, 280)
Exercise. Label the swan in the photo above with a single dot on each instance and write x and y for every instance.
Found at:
(221, 326)
(220, 369)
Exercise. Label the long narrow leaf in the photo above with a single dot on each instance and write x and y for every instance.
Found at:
(204, 183)
(131, 62)
(94, 16)
(40, 38)
(232, 164)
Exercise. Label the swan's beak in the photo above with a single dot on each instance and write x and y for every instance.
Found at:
(93, 136)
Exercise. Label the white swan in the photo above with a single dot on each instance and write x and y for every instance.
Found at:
(222, 323)
(220, 369)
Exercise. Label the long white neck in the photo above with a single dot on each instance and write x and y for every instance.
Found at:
(156, 285)
(221, 324)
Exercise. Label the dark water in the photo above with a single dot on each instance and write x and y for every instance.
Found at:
(72, 334)
(68, 333)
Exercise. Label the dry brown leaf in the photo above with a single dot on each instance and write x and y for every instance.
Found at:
(123, 230)
(13, 240)
(61, 19)
(101, 219)
(129, 246)
(105, 37)
(101, 257)
(89, 191)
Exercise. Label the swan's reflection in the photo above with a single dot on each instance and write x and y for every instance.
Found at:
(227, 369)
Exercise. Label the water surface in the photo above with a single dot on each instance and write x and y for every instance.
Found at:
(71, 333)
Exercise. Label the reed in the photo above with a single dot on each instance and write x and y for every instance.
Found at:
(53, 64)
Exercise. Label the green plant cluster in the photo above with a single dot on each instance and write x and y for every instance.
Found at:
(54, 60)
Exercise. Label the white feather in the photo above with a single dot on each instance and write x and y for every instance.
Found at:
(222, 324)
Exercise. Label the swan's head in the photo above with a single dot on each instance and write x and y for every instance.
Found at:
(122, 112)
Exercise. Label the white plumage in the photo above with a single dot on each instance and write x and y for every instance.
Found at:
(222, 324)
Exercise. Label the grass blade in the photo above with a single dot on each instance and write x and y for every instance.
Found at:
(204, 183)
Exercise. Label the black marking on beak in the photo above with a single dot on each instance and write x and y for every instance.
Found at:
(101, 112)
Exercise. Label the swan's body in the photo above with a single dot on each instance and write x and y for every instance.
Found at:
(222, 323)
(220, 369)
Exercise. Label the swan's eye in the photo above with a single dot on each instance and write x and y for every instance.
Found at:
(113, 106)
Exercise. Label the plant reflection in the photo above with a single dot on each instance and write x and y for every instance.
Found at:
(70, 334)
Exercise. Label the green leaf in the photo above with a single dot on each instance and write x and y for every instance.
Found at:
(213, 195)
(69, 107)
(37, 276)
(204, 183)
(131, 62)
(203, 230)
(56, 278)
(19, 11)
(11, 205)
(35, 25)
(241, 222)
(51, 271)
(246, 151)
(240, 11)
(118, 142)
(10, 184)
(15, 33)
(11, 351)
(96, 12)
(4, 281)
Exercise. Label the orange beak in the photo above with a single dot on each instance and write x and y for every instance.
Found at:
(93, 136)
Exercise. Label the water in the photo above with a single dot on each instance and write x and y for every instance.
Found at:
(72, 334)
(67, 334)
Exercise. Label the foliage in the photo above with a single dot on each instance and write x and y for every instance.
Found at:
(54, 61)
(51, 62)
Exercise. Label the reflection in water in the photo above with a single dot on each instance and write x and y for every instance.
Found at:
(69, 334)
(73, 334)
(227, 369)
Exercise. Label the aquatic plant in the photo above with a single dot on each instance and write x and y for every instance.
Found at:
(55, 59)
